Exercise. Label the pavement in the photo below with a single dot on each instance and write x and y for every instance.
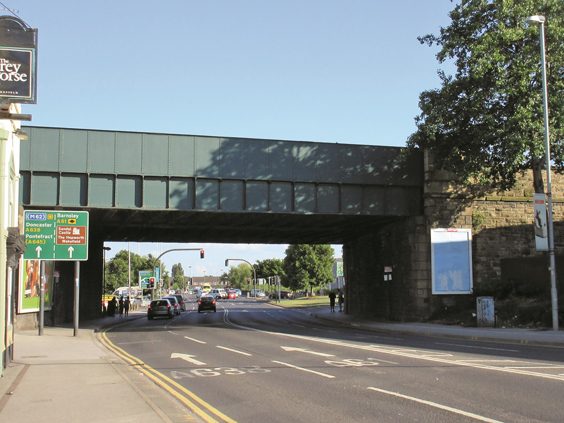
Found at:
(58, 377)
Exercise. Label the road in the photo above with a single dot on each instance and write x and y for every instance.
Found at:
(254, 362)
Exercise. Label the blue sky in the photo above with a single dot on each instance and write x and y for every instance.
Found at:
(347, 71)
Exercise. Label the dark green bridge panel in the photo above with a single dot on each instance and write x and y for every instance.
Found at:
(130, 170)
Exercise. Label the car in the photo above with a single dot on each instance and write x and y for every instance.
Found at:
(216, 293)
(223, 293)
(207, 302)
(257, 293)
(181, 302)
(160, 308)
(238, 292)
(174, 302)
(231, 294)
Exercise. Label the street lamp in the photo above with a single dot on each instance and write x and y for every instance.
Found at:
(538, 19)
(104, 249)
(254, 273)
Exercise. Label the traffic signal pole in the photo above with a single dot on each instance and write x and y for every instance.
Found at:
(201, 250)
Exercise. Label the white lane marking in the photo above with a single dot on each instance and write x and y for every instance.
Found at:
(188, 358)
(436, 405)
(235, 351)
(534, 367)
(171, 332)
(491, 360)
(402, 353)
(384, 361)
(304, 370)
(477, 347)
(305, 350)
(195, 340)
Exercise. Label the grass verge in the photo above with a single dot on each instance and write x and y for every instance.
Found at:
(317, 301)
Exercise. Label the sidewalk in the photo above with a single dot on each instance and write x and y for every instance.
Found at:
(546, 337)
(58, 377)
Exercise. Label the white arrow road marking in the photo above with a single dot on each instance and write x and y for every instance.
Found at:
(188, 358)
(235, 351)
(304, 370)
(434, 404)
(305, 350)
(195, 340)
(38, 251)
(70, 251)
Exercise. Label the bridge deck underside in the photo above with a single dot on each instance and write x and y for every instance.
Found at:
(168, 226)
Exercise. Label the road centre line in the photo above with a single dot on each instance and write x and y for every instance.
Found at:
(477, 347)
(195, 340)
(402, 353)
(304, 370)
(235, 351)
(436, 405)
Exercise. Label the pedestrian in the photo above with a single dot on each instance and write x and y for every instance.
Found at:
(112, 307)
(341, 300)
(126, 304)
(120, 307)
(332, 297)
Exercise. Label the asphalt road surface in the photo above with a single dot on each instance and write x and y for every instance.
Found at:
(254, 362)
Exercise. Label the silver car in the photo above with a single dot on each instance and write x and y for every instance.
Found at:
(160, 308)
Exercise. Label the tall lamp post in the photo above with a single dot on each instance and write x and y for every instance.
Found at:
(254, 273)
(104, 249)
(538, 19)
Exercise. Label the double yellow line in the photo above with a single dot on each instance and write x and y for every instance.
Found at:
(198, 406)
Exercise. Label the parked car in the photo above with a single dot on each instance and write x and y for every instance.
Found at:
(174, 302)
(257, 293)
(207, 302)
(181, 302)
(160, 308)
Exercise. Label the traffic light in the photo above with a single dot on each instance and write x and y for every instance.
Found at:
(151, 283)
(202, 253)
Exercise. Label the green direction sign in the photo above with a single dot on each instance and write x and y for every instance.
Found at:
(56, 235)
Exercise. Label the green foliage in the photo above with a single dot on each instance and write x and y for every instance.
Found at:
(485, 123)
(241, 276)
(177, 276)
(117, 269)
(269, 267)
(308, 266)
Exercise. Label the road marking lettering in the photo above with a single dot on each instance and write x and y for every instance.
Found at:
(352, 362)
(304, 370)
(235, 351)
(218, 371)
(305, 350)
(195, 340)
(436, 405)
(188, 358)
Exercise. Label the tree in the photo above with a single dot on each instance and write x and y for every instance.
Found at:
(240, 276)
(177, 276)
(269, 267)
(485, 123)
(308, 266)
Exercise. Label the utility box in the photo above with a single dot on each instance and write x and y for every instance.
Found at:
(485, 307)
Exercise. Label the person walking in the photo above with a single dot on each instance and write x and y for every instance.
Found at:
(341, 300)
(332, 297)
(126, 305)
(120, 306)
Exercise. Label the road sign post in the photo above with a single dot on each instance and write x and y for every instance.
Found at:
(59, 236)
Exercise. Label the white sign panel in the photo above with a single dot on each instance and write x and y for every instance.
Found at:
(541, 232)
(451, 261)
